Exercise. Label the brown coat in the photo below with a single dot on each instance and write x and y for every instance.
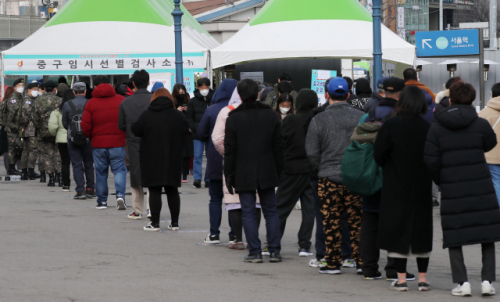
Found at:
(421, 86)
(491, 113)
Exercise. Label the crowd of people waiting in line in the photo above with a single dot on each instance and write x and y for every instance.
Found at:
(267, 148)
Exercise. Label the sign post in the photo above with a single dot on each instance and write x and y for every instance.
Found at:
(481, 70)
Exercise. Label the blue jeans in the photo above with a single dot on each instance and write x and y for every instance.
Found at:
(249, 216)
(103, 159)
(495, 177)
(216, 193)
(199, 148)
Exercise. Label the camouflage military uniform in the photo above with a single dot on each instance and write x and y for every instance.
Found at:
(11, 121)
(47, 149)
(30, 152)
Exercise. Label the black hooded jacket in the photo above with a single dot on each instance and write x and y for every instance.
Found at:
(195, 110)
(294, 134)
(454, 155)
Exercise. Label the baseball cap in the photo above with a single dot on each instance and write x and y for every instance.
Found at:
(338, 86)
(79, 86)
(394, 84)
(380, 83)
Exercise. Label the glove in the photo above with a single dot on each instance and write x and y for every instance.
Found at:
(229, 185)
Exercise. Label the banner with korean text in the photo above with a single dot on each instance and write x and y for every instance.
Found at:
(94, 64)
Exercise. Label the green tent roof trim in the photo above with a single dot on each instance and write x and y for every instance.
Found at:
(141, 11)
(301, 10)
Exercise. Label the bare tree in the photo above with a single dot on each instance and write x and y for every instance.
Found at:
(389, 14)
(479, 12)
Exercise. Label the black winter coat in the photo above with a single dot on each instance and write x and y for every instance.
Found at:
(162, 130)
(454, 154)
(253, 155)
(443, 104)
(406, 203)
(195, 110)
(188, 147)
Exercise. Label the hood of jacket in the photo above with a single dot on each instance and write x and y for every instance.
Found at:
(265, 92)
(363, 87)
(494, 103)
(208, 99)
(225, 91)
(306, 101)
(441, 95)
(103, 91)
(235, 98)
(161, 103)
(157, 86)
(388, 102)
(457, 116)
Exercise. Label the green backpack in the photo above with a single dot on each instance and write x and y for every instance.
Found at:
(360, 173)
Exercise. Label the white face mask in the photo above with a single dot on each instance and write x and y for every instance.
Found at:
(204, 92)
(284, 110)
(20, 89)
(34, 93)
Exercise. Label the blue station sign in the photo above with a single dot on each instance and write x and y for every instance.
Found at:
(447, 43)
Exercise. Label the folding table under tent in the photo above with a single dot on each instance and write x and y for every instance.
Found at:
(286, 29)
(92, 37)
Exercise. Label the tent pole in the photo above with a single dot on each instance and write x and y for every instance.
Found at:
(377, 43)
(3, 78)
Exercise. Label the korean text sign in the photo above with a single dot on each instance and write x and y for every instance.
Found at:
(447, 43)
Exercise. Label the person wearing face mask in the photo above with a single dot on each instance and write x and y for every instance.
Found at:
(12, 124)
(285, 106)
(195, 110)
(181, 102)
(30, 152)
(130, 111)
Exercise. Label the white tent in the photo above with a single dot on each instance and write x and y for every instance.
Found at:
(110, 37)
(311, 29)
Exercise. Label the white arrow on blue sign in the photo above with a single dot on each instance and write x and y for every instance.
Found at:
(447, 43)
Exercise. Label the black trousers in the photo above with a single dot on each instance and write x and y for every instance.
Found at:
(236, 219)
(370, 251)
(185, 166)
(459, 271)
(290, 189)
(65, 162)
(155, 204)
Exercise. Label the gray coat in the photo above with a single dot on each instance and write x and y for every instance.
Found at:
(329, 135)
(130, 110)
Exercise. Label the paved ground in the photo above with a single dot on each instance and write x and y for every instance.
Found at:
(56, 249)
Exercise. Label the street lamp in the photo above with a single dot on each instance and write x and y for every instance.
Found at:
(177, 13)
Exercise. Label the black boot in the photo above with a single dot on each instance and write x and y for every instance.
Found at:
(56, 177)
(43, 177)
(24, 174)
(13, 171)
(59, 179)
(51, 180)
(32, 175)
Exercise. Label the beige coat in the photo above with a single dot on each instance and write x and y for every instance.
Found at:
(218, 141)
(491, 113)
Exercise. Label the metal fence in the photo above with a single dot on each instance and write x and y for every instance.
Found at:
(19, 27)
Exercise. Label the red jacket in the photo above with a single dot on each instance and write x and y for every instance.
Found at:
(100, 118)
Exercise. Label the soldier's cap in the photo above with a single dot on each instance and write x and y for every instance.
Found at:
(80, 86)
(50, 84)
(394, 84)
(33, 85)
(17, 82)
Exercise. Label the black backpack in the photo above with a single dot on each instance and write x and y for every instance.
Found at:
(75, 133)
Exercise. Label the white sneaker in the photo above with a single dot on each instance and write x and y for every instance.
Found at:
(317, 263)
(488, 289)
(348, 263)
(462, 290)
(120, 203)
(151, 228)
